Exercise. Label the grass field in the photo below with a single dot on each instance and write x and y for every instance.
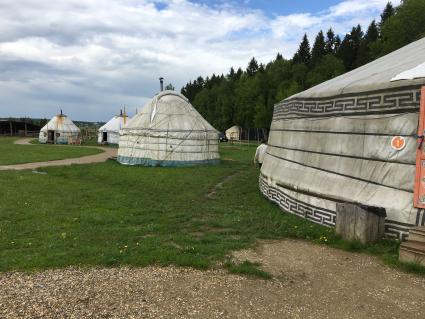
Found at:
(109, 214)
(19, 154)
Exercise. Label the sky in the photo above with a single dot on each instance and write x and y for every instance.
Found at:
(91, 58)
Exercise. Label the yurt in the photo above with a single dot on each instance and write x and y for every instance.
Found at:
(110, 132)
(357, 138)
(59, 130)
(234, 133)
(168, 132)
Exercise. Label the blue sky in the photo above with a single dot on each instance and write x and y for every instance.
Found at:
(92, 58)
(277, 7)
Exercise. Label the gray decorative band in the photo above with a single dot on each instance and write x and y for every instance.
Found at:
(166, 163)
(399, 100)
(320, 215)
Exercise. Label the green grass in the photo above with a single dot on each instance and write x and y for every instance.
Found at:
(247, 268)
(18, 154)
(110, 214)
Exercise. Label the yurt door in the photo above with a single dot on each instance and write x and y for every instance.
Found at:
(50, 136)
(419, 192)
(104, 136)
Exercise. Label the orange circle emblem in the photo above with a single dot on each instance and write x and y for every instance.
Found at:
(398, 143)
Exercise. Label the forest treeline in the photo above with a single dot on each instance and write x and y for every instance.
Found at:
(246, 97)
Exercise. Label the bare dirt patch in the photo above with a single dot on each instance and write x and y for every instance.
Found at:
(310, 282)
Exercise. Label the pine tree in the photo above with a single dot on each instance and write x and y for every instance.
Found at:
(303, 54)
(337, 44)
(364, 54)
(386, 14)
(372, 33)
(348, 50)
(330, 42)
(319, 50)
(252, 67)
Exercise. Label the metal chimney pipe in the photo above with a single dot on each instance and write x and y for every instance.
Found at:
(161, 84)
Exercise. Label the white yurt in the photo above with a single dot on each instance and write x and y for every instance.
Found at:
(355, 139)
(234, 133)
(59, 130)
(168, 132)
(110, 132)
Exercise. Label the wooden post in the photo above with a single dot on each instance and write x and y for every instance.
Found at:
(11, 128)
(357, 222)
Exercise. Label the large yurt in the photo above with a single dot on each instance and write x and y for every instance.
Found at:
(110, 132)
(356, 138)
(59, 130)
(168, 132)
(234, 133)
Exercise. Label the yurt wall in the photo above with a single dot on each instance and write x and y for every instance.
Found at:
(335, 143)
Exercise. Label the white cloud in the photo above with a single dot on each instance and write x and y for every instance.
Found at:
(94, 56)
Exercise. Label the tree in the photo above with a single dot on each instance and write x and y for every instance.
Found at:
(349, 47)
(303, 54)
(337, 44)
(364, 54)
(330, 42)
(252, 67)
(405, 26)
(170, 87)
(319, 50)
(329, 67)
(386, 14)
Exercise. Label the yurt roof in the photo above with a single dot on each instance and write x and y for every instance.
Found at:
(62, 123)
(115, 124)
(169, 111)
(403, 67)
(234, 128)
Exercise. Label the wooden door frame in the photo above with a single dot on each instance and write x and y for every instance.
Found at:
(420, 155)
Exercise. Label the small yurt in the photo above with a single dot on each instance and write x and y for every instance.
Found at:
(59, 130)
(357, 138)
(110, 132)
(234, 133)
(168, 132)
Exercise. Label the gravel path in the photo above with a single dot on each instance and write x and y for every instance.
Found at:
(107, 153)
(310, 282)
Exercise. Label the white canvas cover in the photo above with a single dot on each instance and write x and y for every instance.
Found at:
(111, 130)
(333, 143)
(61, 129)
(168, 132)
(233, 133)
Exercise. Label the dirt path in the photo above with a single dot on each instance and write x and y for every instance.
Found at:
(24, 141)
(310, 282)
(107, 153)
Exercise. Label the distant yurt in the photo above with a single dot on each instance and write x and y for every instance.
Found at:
(110, 132)
(234, 133)
(168, 132)
(59, 130)
(353, 139)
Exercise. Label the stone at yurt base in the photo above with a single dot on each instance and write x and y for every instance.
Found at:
(362, 223)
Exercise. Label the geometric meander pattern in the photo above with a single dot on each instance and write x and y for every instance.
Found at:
(320, 215)
(372, 102)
